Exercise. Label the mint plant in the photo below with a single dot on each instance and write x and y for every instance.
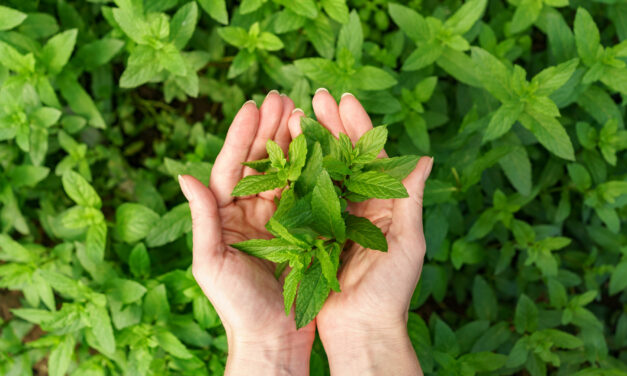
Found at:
(311, 225)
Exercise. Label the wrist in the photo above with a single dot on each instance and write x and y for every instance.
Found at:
(284, 354)
(370, 349)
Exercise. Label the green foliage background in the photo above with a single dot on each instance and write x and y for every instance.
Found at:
(103, 103)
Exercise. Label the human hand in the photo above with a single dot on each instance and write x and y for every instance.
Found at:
(242, 288)
(364, 327)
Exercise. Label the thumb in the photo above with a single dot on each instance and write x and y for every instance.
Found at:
(408, 211)
(206, 224)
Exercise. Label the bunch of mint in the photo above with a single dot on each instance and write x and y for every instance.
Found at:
(311, 225)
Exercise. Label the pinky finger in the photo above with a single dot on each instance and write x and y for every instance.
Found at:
(294, 122)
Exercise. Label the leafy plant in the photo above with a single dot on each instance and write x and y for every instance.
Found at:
(311, 225)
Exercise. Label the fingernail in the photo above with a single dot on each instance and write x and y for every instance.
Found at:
(185, 188)
(283, 95)
(272, 92)
(428, 170)
(347, 95)
(321, 89)
(296, 110)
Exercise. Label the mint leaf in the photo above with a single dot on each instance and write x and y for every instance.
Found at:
(309, 175)
(587, 37)
(275, 250)
(253, 184)
(290, 286)
(79, 190)
(370, 144)
(376, 184)
(396, 167)
(275, 154)
(58, 49)
(298, 156)
(365, 233)
(410, 22)
(261, 165)
(10, 18)
(329, 269)
(326, 209)
(502, 120)
(312, 293)
(277, 229)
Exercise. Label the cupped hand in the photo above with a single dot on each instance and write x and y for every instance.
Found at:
(242, 288)
(369, 316)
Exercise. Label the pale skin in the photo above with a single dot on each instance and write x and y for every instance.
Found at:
(364, 327)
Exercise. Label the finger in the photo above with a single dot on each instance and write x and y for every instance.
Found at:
(407, 214)
(270, 114)
(294, 122)
(327, 111)
(282, 136)
(206, 228)
(227, 169)
(355, 118)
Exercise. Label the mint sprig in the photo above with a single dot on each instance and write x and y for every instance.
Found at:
(311, 225)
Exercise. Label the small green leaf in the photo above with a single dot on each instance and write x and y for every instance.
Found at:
(365, 233)
(327, 212)
(79, 190)
(275, 250)
(290, 287)
(312, 293)
(253, 184)
(370, 144)
(376, 184)
(10, 18)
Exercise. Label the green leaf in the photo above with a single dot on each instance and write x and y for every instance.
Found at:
(423, 56)
(462, 20)
(132, 23)
(378, 79)
(370, 144)
(10, 18)
(298, 156)
(27, 175)
(216, 9)
(253, 184)
(396, 167)
(183, 24)
(12, 251)
(125, 291)
(236, 36)
(305, 8)
(351, 37)
(242, 62)
(552, 78)
(290, 287)
(261, 165)
(493, 74)
(171, 226)
(79, 190)
(526, 14)
(61, 356)
(579, 175)
(312, 293)
(275, 250)
(329, 268)
(327, 212)
(58, 49)
(618, 279)
(517, 167)
(98, 53)
(550, 133)
(134, 221)
(143, 65)
(309, 175)
(139, 261)
(484, 300)
(376, 185)
(336, 9)
(365, 233)
(100, 324)
(502, 120)
(171, 344)
(410, 22)
(587, 37)
(80, 102)
(526, 317)
(269, 42)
